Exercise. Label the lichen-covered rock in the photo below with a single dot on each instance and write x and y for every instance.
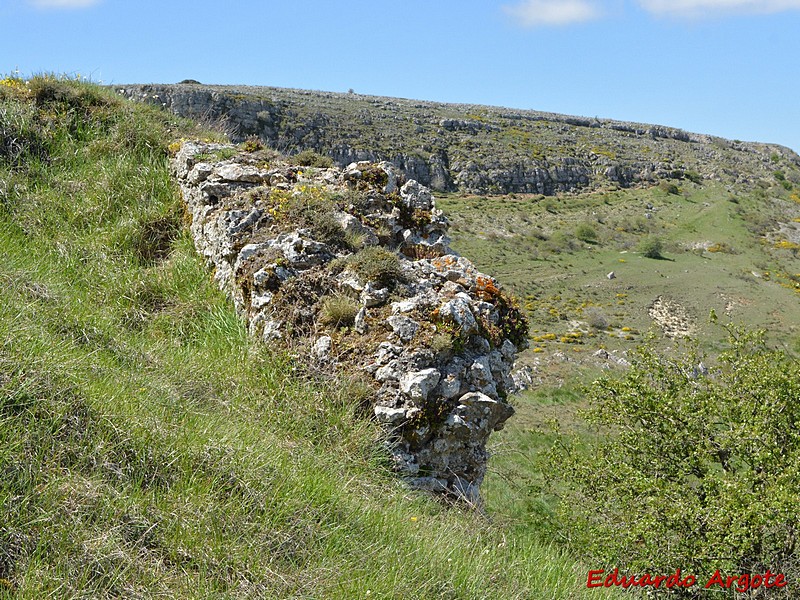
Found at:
(296, 251)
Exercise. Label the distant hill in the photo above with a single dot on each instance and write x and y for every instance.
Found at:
(471, 148)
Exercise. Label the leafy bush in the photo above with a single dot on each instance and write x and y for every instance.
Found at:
(586, 233)
(693, 176)
(651, 247)
(560, 242)
(309, 158)
(694, 468)
(670, 188)
(596, 319)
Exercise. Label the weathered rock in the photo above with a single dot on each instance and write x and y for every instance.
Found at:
(374, 295)
(458, 311)
(322, 347)
(360, 321)
(240, 173)
(404, 328)
(415, 196)
(419, 384)
(391, 416)
(354, 227)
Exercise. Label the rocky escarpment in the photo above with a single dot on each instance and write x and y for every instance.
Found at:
(476, 149)
(351, 268)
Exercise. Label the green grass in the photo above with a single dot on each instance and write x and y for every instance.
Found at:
(148, 447)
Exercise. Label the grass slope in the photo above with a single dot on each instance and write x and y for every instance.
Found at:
(148, 448)
(733, 252)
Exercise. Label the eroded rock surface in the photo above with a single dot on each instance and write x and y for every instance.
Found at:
(353, 265)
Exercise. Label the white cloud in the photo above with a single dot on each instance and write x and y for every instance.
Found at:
(534, 13)
(64, 3)
(706, 8)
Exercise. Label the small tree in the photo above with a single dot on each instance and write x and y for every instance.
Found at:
(651, 247)
(695, 469)
(586, 233)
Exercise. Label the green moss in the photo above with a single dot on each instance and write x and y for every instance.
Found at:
(312, 208)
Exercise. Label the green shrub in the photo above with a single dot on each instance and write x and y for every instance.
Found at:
(693, 176)
(442, 342)
(596, 319)
(586, 233)
(669, 187)
(309, 158)
(651, 247)
(375, 263)
(252, 144)
(560, 241)
(694, 468)
(313, 208)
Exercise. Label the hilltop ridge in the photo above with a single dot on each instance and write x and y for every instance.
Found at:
(470, 148)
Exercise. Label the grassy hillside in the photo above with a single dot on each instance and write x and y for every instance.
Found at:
(148, 448)
(729, 249)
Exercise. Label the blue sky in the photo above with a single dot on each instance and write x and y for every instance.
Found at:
(725, 67)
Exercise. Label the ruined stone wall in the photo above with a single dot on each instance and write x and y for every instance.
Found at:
(352, 268)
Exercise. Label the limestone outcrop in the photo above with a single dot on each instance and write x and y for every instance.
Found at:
(352, 268)
(474, 149)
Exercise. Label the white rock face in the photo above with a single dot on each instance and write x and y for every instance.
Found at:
(403, 327)
(458, 310)
(419, 384)
(322, 347)
(416, 196)
(293, 282)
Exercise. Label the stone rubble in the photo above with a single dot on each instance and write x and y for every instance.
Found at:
(437, 337)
